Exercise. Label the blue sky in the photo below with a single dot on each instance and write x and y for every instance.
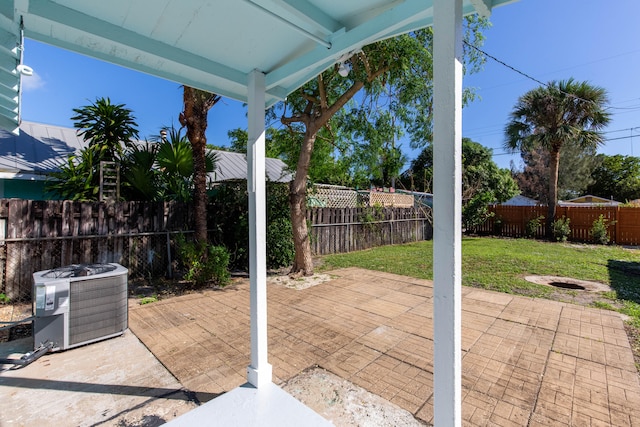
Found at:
(547, 39)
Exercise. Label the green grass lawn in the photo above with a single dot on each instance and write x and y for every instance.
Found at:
(501, 264)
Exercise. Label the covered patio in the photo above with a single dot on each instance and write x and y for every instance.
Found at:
(259, 51)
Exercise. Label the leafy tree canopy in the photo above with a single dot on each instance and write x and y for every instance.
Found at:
(616, 177)
(388, 92)
(574, 174)
(482, 181)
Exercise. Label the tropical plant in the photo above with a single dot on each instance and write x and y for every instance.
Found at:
(140, 178)
(163, 169)
(197, 104)
(549, 116)
(77, 179)
(106, 127)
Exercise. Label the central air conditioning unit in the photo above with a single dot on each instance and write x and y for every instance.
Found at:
(79, 304)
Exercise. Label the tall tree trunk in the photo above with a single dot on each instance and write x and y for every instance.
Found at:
(197, 104)
(303, 262)
(554, 165)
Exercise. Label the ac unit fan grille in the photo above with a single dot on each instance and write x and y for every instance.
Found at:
(98, 308)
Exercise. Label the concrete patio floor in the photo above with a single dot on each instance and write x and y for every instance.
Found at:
(526, 362)
(108, 383)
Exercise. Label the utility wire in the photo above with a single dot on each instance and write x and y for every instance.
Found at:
(522, 73)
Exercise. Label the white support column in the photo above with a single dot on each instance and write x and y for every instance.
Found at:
(447, 206)
(259, 371)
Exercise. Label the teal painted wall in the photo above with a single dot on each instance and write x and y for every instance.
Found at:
(23, 189)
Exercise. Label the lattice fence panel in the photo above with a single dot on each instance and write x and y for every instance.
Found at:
(333, 197)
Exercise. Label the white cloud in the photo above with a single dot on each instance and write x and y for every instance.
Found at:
(33, 82)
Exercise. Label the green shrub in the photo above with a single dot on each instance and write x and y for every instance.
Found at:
(4, 299)
(560, 229)
(475, 211)
(531, 227)
(370, 218)
(203, 263)
(280, 250)
(600, 230)
(229, 220)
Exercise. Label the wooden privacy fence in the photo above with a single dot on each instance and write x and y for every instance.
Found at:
(40, 235)
(510, 221)
(353, 229)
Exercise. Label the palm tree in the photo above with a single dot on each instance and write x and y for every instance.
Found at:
(549, 116)
(197, 104)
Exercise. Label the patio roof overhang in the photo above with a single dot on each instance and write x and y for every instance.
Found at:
(259, 51)
(211, 45)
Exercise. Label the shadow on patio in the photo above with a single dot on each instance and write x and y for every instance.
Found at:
(525, 361)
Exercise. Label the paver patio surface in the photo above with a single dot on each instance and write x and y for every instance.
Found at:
(526, 362)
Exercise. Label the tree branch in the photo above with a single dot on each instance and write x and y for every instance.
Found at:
(322, 93)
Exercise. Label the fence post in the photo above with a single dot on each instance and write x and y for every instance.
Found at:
(391, 228)
(169, 272)
(616, 216)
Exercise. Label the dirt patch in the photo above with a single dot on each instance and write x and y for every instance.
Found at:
(634, 340)
(302, 282)
(344, 403)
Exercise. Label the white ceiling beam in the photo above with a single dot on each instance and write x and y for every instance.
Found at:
(294, 26)
(309, 14)
(95, 29)
(122, 61)
(343, 42)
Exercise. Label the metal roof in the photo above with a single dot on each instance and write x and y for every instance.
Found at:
(40, 149)
(234, 166)
(211, 45)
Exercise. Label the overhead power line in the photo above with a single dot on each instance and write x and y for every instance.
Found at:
(522, 73)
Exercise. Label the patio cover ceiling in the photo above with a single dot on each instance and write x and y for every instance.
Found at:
(212, 45)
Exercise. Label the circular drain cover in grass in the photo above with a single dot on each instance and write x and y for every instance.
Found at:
(568, 283)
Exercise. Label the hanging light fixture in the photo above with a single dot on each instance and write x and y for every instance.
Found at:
(344, 69)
